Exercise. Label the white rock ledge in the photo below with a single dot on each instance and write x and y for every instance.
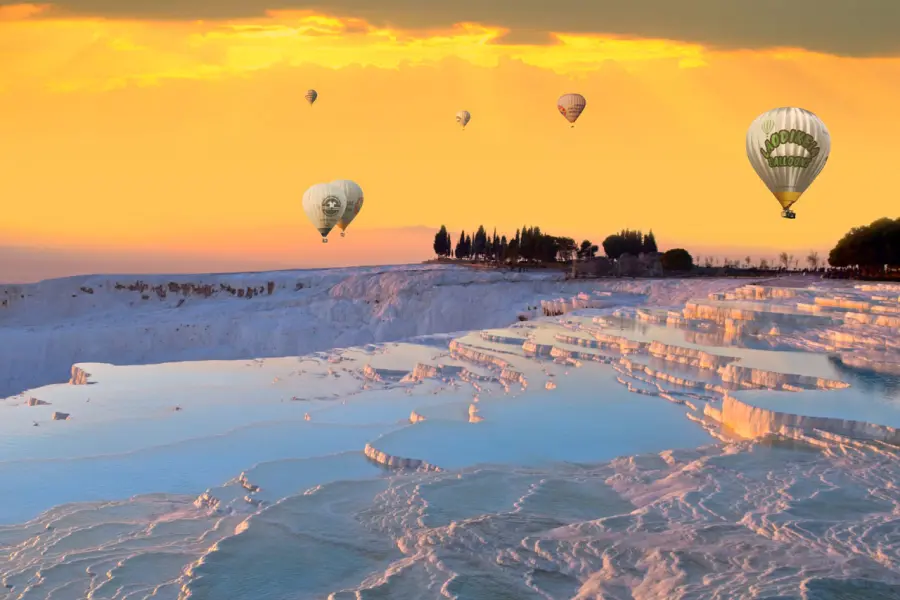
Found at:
(397, 462)
(752, 422)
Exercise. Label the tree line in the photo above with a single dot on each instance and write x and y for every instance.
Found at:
(532, 244)
(528, 243)
(872, 250)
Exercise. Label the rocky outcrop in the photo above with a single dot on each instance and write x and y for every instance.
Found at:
(688, 356)
(507, 373)
(755, 292)
(561, 306)
(490, 336)
(886, 363)
(635, 368)
(79, 376)
(722, 314)
(838, 302)
(397, 462)
(872, 319)
(426, 371)
(206, 501)
(734, 373)
(750, 421)
(380, 375)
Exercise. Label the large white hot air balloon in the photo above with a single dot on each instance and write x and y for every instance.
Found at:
(571, 106)
(311, 96)
(463, 117)
(324, 204)
(788, 148)
(354, 195)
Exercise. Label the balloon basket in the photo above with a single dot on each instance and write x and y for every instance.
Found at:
(324, 240)
(788, 214)
(343, 234)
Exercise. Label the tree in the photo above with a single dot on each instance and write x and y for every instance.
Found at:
(870, 248)
(460, 251)
(614, 246)
(479, 243)
(747, 261)
(547, 248)
(677, 260)
(763, 264)
(634, 241)
(649, 244)
(785, 259)
(567, 250)
(467, 246)
(512, 251)
(587, 250)
(812, 259)
(441, 242)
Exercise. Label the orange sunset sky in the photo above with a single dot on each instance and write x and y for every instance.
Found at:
(172, 135)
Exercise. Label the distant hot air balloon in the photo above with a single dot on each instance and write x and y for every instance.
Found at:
(571, 106)
(324, 204)
(311, 96)
(354, 195)
(788, 148)
(463, 117)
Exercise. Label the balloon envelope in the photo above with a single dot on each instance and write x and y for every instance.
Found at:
(311, 96)
(788, 148)
(571, 106)
(354, 196)
(324, 204)
(462, 117)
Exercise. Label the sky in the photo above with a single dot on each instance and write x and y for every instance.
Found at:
(172, 135)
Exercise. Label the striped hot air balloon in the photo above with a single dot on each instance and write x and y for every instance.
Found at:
(463, 117)
(354, 196)
(788, 148)
(311, 96)
(571, 106)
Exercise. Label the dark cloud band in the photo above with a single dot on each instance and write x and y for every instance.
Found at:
(843, 27)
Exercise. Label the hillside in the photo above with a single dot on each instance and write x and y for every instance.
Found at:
(132, 319)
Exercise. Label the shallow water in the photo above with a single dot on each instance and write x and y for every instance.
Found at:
(577, 476)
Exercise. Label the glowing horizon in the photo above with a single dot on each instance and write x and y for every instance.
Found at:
(192, 138)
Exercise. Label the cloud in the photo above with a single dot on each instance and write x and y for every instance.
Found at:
(859, 28)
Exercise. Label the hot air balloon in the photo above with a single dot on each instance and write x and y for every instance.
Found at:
(324, 204)
(788, 148)
(354, 195)
(462, 118)
(311, 96)
(571, 106)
